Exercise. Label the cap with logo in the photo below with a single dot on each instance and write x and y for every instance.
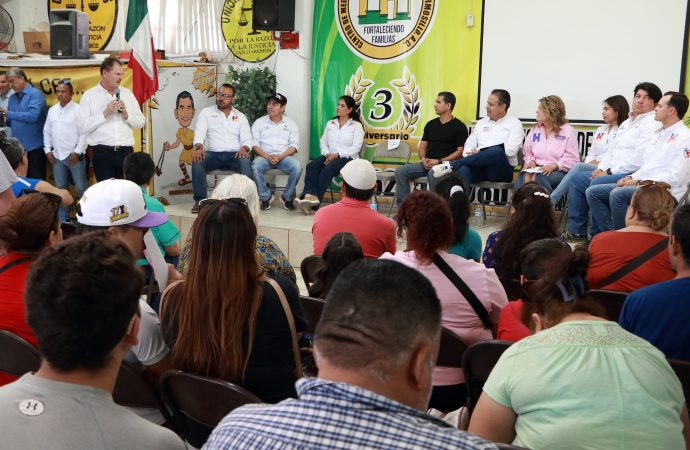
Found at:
(359, 173)
(116, 202)
(280, 98)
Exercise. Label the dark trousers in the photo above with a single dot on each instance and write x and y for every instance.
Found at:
(37, 163)
(108, 162)
(490, 164)
(318, 175)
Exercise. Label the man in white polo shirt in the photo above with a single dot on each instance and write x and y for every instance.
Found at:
(107, 115)
(276, 139)
(222, 140)
(64, 143)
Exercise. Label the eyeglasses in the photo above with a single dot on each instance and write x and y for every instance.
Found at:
(225, 95)
(210, 201)
(55, 199)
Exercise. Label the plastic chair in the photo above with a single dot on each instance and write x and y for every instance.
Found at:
(481, 187)
(200, 403)
(312, 311)
(215, 174)
(133, 389)
(682, 369)
(477, 363)
(309, 267)
(17, 356)
(451, 349)
(612, 301)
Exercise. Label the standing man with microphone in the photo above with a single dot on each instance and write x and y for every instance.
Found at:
(107, 115)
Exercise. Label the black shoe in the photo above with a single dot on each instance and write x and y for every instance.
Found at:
(195, 208)
(287, 204)
(266, 204)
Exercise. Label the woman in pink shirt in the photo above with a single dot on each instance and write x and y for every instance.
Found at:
(550, 147)
(425, 221)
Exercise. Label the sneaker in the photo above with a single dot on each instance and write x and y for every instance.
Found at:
(308, 203)
(287, 204)
(574, 238)
(266, 204)
(195, 208)
(441, 170)
(311, 200)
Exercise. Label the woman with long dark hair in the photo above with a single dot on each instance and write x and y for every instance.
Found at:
(467, 242)
(225, 320)
(341, 142)
(342, 249)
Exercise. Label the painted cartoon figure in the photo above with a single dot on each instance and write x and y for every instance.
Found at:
(184, 113)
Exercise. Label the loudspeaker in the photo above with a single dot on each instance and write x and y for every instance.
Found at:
(274, 15)
(69, 34)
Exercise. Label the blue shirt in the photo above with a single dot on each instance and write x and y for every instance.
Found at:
(659, 314)
(337, 415)
(24, 183)
(27, 113)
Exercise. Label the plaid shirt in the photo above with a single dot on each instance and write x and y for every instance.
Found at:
(337, 415)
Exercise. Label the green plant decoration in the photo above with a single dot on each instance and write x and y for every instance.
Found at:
(253, 86)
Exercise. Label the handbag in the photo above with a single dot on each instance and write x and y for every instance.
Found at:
(291, 322)
(634, 263)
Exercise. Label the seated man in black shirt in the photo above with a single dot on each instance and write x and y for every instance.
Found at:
(443, 140)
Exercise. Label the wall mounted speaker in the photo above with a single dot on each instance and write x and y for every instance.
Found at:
(274, 15)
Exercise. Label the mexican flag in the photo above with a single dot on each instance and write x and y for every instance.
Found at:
(141, 59)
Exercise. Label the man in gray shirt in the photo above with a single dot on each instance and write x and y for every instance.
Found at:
(85, 319)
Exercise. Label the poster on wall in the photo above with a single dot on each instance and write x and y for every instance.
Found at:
(183, 91)
(392, 56)
(102, 18)
(242, 39)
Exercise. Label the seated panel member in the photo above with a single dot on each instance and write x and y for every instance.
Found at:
(276, 140)
(667, 160)
(634, 136)
(222, 140)
(443, 140)
(490, 153)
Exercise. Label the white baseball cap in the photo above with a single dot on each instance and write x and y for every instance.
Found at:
(116, 202)
(360, 174)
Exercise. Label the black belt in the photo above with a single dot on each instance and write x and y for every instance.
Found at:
(110, 148)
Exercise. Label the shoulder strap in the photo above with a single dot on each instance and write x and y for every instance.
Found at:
(635, 263)
(464, 290)
(16, 262)
(291, 322)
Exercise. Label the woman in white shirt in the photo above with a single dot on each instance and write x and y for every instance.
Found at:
(341, 142)
(614, 112)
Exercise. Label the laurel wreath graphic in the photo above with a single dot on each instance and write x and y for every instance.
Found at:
(358, 86)
(409, 90)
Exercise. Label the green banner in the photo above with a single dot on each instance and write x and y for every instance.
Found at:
(393, 57)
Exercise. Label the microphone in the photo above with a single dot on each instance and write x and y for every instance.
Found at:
(117, 97)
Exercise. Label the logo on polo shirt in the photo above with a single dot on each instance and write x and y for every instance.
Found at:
(599, 137)
(31, 407)
(118, 213)
(560, 137)
(686, 152)
(536, 137)
(672, 138)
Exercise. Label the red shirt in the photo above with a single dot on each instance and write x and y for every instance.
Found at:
(510, 326)
(611, 250)
(375, 233)
(12, 317)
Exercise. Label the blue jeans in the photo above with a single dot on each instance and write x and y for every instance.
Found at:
(548, 182)
(608, 203)
(319, 175)
(407, 172)
(564, 185)
(490, 164)
(288, 165)
(62, 172)
(578, 207)
(217, 161)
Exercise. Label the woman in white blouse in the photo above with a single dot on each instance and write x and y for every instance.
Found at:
(341, 142)
(614, 112)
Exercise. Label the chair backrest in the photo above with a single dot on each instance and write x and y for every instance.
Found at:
(200, 403)
(477, 363)
(133, 389)
(309, 267)
(451, 349)
(682, 369)
(312, 311)
(17, 356)
(402, 151)
(612, 301)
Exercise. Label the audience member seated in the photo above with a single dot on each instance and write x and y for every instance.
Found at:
(581, 381)
(271, 258)
(550, 147)
(85, 319)
(341, 143)
(7, 179)
(534, 262)
(226, 320)
(425, 220)
(467, 242)
(29, 225)
(531, 218)
(375, 344)
(647, 220)
(341, 250)
(374, 232)
(659, 313)
(16, 156)
(666, 159)
(614, 112)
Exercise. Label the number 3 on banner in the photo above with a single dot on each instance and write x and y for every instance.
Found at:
(382, 103)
